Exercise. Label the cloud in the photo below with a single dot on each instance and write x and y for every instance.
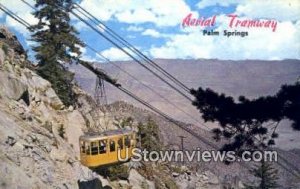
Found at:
(161, 13)
(18, 6)
(261, 43)
(135, 28)
(23, 11)
(184, 46)
(189, 42)
(103, 10)
(115, 54)
(137, 16)
(155, 34)
(152, 33)
(282, 10)
(209, 3)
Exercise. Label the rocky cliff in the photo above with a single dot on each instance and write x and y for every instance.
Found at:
(34, 154)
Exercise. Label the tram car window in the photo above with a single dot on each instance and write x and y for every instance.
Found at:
(102, 146)
(94, 148)
(112, 146)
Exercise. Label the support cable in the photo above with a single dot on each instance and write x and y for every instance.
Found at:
(127, 44)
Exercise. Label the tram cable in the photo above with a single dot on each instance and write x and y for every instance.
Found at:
(128, 45)
(123, 50)
(15, 16)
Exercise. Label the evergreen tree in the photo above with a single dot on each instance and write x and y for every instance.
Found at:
(243, 120)
(56, 44)
(149, 135)
(267, 176)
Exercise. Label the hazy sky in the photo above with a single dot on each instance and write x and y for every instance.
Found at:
(154, 27)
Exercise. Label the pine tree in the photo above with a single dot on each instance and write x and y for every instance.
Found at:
(267, 176)
(56, 44)
(149, 135)
(244, 119)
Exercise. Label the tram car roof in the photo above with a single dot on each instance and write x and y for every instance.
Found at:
(90, 136)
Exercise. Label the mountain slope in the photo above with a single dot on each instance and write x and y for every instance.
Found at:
(251, 78)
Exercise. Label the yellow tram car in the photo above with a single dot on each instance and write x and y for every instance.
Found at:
(102, 148)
